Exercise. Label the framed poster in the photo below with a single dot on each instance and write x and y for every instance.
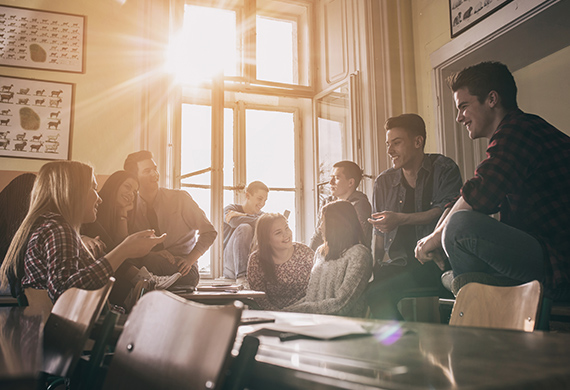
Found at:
(42, 40)
(466, 13)
(35, 118)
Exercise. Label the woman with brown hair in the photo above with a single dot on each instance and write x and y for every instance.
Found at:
(343, 266)
(279, 266)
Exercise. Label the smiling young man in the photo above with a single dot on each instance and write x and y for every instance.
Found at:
(189, 232)
(345, 179)
(239, 227)
(408, 200)
(525, 177)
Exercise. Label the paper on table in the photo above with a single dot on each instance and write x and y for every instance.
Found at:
(325, 331)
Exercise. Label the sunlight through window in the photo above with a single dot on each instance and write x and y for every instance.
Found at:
(206, 47)
(275, 50)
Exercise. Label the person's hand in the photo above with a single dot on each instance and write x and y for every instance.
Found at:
(95, 246)
(184, 266)
(232, 213)
(386, 221)
(427, 249)
(140, 244)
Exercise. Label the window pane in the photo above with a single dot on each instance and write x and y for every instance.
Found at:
(209, 43)
(202, 197)
(278, 202)
(275, 57)
(270, 148)
(196, 148)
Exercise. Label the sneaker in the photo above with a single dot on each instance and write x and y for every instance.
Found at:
(242, 283)
(158, 282)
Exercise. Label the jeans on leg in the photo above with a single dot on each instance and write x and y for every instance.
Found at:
(394, 282)
(475, 242)
(236, 252)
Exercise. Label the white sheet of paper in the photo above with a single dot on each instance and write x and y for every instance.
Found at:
(324, 331)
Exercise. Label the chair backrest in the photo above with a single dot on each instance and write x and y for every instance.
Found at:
(171, 343)
(68, 327)
(487, 306)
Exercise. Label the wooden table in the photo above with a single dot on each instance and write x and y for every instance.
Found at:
(21, 335)
(410, 356)
(224, 297)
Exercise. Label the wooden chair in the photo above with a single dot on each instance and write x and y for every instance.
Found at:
(171, 343)
(516, 307)
(68, 327)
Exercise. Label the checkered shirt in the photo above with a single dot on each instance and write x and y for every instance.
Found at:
(526, 177)
(56, 260)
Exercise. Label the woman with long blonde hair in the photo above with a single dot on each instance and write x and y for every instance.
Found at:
(47, 252)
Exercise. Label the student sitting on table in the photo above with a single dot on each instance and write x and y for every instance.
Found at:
(173, 212)
(345, 179)
(525, 177)
(47, 251)
(110, 229)
(279, 267)
(239, 226)
(343, 266)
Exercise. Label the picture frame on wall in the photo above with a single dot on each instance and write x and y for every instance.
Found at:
(42, 39)
(36, 118)
(464, 14)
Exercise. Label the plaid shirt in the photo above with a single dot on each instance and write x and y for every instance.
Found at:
(526, 177)
(56, 259)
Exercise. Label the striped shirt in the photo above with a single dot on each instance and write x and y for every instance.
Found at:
(56, 259)
(526, 177)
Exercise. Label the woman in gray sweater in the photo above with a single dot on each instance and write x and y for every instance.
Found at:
(343, 266)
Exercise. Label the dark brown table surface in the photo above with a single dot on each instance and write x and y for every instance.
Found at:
(409, 355)
(21, 335)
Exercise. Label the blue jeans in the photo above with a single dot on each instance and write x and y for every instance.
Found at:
(236, 252)
(475, 242)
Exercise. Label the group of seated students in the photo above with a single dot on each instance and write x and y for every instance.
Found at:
(424, 218)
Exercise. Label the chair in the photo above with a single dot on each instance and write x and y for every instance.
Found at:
(171, 343)
(515, 307)
(69, 325)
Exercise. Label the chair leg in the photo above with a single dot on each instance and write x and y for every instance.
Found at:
(543, 322)
(236, 379)
(93, 371)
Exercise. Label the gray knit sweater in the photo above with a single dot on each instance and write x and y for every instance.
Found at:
(337, 286)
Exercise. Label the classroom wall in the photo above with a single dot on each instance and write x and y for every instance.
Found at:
(543, 87)
(431, 31)
(107, 95)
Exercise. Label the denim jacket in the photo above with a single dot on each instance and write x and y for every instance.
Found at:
(438, 183)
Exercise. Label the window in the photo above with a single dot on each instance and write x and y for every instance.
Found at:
(333, 135)
(261, 132)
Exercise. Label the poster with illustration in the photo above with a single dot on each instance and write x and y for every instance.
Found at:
(35, 118)
(466, 13)
(42, 40)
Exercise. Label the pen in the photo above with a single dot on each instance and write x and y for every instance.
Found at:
(289, 336)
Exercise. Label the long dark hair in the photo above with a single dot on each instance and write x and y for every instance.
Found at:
(108, 212)
(264, 249)
(340, 227)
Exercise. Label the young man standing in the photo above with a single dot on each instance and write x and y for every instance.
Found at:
(239, 227)
(345, 179)
(525, 177)
(408, 200)
(169, 211)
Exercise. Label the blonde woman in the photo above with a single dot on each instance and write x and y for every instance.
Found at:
(47, 251)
